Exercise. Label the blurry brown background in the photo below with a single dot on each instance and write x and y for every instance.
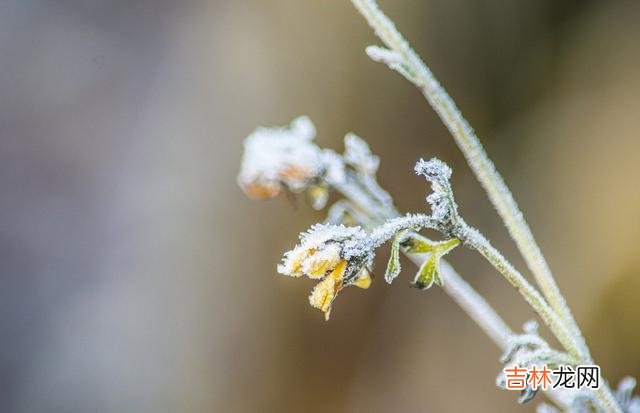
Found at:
(136, 277)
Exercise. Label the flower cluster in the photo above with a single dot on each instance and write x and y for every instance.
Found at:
(336, 255)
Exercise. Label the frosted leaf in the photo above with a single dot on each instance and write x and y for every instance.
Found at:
(438, 173)
(277, 157)
(393, 265)
(434, 170)
(358, 154)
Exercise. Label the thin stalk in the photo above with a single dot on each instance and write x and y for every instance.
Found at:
(410, 65)
(477, 241)
(473, 304)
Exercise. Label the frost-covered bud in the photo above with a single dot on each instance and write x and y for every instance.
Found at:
(336, 255)
(438, 173)
(280, 157)
(277, 159)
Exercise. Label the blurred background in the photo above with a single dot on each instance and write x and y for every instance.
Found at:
(136, 276)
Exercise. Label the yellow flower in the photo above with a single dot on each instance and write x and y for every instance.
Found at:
(338, 256)
(326, 290)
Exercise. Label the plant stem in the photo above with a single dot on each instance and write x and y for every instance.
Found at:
(570, 342)
(415, 70)
(475, 240)
(473, 304)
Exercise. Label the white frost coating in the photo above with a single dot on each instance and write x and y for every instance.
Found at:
(315, 241)
(384, 55)
(273, 156)
(328, 256)
(335, 173)
(434, 170)
(358, 154)
(320, 234)
(410, 221)
(438, 173)
(287, 158)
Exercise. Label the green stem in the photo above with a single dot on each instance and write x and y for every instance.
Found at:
(570, 342)
(475, 240)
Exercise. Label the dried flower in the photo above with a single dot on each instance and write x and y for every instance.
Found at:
(280, 157)
(336, 255)
(277, 159)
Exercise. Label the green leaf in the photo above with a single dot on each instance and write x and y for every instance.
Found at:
(429, 273)
(417, 244)
(393, 266)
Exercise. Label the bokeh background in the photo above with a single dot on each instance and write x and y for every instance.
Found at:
(136, 276)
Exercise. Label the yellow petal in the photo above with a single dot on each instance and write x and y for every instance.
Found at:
(326, 290)
(318, 263)
(363, 279)
(293, 260)
(323, 294)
